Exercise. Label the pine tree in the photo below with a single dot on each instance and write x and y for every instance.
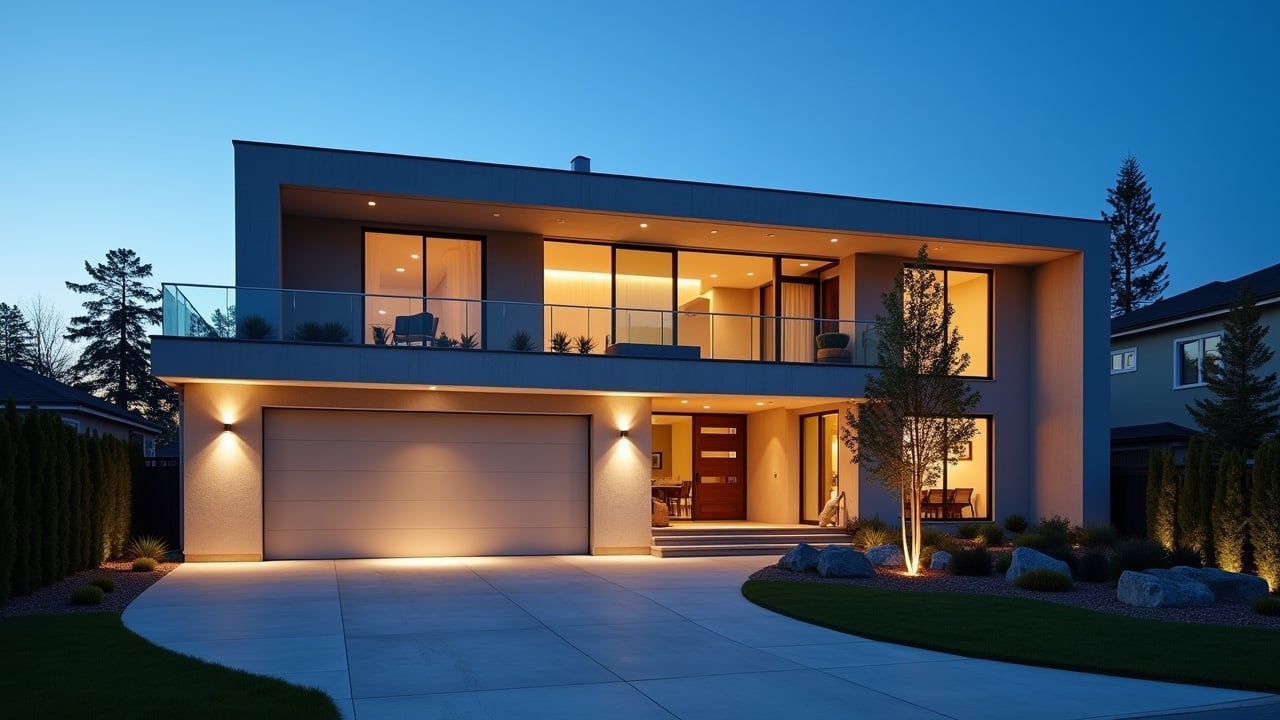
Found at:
(15, 337)
(915, 416)
(1138, 270)
(1264, 513)
(1195, 500)
(1230, 523)
(1244, 407)
(116, 363)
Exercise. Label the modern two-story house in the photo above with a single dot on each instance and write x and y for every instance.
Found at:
(1158, 358)
(429, 357)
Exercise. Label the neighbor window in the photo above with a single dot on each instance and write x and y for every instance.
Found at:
(1123, 361)
(1193, 358)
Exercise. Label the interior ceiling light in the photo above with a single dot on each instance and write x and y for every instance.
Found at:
(706, 407)
(382, 312)
(684, 402)
(497, 214)
(715, 275)
(644, 225)
(560, 221)
(372, 203)
(713, 232)
(759, 403)
(399, 269)
(804, 264)
(835, 239)
(751, 274)
(414, 256)
(431, 387)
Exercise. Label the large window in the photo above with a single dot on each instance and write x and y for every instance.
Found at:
(406, 274)
(1193, 358)
(969, 293)
(965, 490)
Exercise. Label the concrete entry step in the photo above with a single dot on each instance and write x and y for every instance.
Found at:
(697, 540)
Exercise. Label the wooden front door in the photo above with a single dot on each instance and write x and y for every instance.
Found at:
(719, 467)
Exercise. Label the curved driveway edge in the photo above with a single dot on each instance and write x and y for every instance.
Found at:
(590, 637)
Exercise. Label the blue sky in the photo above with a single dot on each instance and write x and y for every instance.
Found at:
(117, 118)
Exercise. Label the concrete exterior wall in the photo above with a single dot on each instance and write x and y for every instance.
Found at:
(321, 254)
(222, 483)
(773, 477)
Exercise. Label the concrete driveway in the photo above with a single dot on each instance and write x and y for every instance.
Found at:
(590, 637)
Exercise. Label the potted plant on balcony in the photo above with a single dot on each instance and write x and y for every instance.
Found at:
(833, 347)
(381, 334)
(254, 327)
(521, 342)
(560, 342)
(584, 344)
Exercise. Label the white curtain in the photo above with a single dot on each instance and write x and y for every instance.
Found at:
(797, 334)
(458, 282)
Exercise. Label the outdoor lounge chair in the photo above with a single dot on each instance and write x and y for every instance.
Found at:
(417, 329)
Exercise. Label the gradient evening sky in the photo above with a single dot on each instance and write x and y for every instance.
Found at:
(117, 118)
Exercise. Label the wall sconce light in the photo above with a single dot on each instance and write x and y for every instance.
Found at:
(622, 433)
(226, 427)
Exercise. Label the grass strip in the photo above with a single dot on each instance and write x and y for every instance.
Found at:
(89, 665)
(1034, 632)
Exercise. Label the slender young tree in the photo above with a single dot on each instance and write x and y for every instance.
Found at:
(1162, 499)
(1230, 523)
(1138, 270)
(1264, 513)
(116, 362)
(15, 336)
(1244, 407)
(915, 417)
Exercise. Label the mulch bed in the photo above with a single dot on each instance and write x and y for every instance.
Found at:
(56, 598)
(1092, 596)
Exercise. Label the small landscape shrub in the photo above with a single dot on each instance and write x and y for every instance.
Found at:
(1266, 605)
(1043, 580)
(144, 564)
(869, 536)
(933, 537)
(1015, 523)
(312, 331)
(1056, 528)
(975, 561)
(1094, 536)
(1003, 561)
(968, 531)
(1093, 566)
(105, 583)
(86, 595)
(147, 546)
(992, 534)
(1181, 555)
(1137, 555)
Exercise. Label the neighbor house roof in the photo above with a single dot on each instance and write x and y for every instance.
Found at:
(29, 388)
(1151, 433)
(1216, 297)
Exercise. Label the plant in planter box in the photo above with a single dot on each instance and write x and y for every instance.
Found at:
(833, 347)
(560, 342)
(381, 334)
(467, 341)
(254, 327)
(521, 342)
(311, 331)
(584, 344)
(444, 341)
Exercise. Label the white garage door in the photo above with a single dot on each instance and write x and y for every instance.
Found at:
(351, 484)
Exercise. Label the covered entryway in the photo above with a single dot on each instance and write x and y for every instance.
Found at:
(356, 483)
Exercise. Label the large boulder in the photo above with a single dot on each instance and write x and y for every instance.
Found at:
(801, 558)
(661, 517)
(844, 562)
(1226, 586)
(941, 560)
(1154, 591)
(1025, 560)
(885, 556)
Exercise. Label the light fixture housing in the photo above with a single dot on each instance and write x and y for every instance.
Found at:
(623, 433)
(226, 427)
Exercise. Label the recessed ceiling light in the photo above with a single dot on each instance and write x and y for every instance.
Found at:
(804, 264)
(382, 312)
(714, 275)
(399, 269)
(560, 220)
(706, 407)
(644, 225)
(759, 403)
(684, 402)
(497, 214)
(770, 235)
(835, 239)
(431, 387)
(713, 232)
(372, 203)
(414, 256)
(751, 274)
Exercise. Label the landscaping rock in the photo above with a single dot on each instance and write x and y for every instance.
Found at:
(885, 556)
(1153, 591)
(1226, 586)
(1025, 560)
(940, 560)
(842, 561)
(802, 558)
(661, 516)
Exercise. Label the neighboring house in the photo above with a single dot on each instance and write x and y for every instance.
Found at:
(337, 421)
(1158, 359)
(85, 412)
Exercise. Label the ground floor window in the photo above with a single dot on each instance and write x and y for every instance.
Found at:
(965, 491)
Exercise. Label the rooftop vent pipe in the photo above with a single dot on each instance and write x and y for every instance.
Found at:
(581, 163)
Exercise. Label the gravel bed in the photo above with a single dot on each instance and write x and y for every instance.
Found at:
(1091, 596)
(56, 598)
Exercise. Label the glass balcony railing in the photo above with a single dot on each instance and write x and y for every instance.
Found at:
(357, 318)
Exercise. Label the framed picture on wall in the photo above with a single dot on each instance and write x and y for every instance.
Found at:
(966, 452)
(657, 461)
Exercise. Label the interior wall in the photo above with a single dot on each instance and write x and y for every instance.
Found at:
(732, 336)
(662, 444)
(682, 448)
(222, 471)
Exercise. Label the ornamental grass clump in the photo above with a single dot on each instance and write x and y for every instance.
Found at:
(992, 534)
(1056, 529)
(1015, 523)
(1269, 605)
(106, 584)
(144, 564)
(974, 561)
(1044, 580)
(148, 546)
(86, 595)
(968, 531)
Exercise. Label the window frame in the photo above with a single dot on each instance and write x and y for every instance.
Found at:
(1122, 352)
(1177, 358)
(991, 310)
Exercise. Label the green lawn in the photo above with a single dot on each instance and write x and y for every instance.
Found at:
(1035, 633)
(90, 666)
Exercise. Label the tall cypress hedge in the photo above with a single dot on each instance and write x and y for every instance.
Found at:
(1195, 500)
(8, 511)
(1230, 522)
(1264, 513)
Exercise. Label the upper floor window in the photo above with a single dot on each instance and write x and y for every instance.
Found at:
(1192, 359)
(1123, 361)
(409, 273)
(969, 292)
